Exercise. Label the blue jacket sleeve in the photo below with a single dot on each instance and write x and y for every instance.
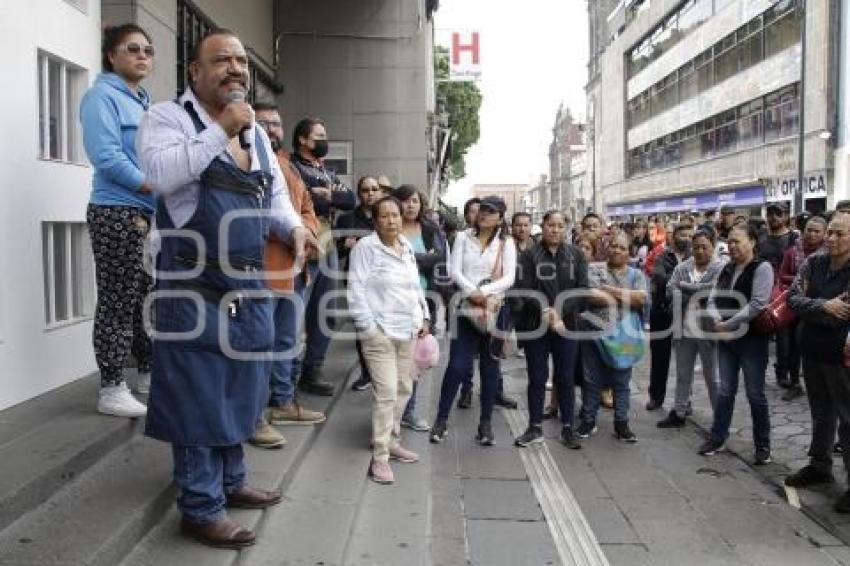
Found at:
(103, 142)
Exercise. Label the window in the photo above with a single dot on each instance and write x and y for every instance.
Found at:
(688, 87)
(69, 289)
(692, 14)
(750, 130)
(782, 27)
(751, 40)
(192, 25)
(338, 160)
(725, 59)
(678, 25)
(704, 65)
(759, 121)
(60, 89)
(664, 94)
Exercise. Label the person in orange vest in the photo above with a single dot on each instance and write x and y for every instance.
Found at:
(283, 408)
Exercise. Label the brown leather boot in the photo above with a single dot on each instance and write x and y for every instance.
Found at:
(224, 533)
(252, 498)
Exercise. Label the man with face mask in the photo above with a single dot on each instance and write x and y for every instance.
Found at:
(660, 313)
(330, 195)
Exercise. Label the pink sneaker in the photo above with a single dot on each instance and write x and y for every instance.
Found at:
(380, 472)
(403, 455)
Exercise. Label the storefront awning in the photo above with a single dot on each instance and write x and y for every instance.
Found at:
(737, 197)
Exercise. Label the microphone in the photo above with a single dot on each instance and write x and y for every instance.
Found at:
(244, 140)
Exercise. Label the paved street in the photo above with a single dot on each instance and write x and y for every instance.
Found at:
(655, 502)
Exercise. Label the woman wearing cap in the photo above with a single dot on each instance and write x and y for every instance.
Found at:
(389, 312)
(483, 266)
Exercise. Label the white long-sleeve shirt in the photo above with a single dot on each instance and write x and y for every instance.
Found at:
(470, 264)
(384, 290)
(173, 156)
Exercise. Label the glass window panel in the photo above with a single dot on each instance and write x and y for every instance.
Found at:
(54, 74)
(43, 150)
(726, 60)
(60, 274)
(784, 30)
(692, 14)
(705, 71)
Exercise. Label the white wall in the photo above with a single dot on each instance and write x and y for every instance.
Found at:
(33, 359)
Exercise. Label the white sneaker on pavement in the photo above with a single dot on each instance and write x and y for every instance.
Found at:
(116, 400)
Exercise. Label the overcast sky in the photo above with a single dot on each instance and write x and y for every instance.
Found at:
(533, 56)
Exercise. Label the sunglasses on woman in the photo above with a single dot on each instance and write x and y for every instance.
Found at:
(135, 49)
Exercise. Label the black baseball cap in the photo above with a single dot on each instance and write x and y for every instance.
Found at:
(493, 202)
(781, 206)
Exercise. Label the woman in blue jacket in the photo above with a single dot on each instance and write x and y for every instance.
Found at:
(119, 214)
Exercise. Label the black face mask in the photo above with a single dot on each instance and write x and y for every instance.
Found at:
(276, 145)
(320, 149)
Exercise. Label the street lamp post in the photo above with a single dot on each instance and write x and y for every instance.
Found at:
(801, 141)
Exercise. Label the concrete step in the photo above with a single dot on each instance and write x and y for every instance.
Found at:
(268, 469)
(97, 519)
(48, 442)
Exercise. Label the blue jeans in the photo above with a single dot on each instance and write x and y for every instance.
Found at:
(563, 354)
(410, 408)
(317, 341)
(464, 345)
(598, 376)
(204, 474)
(747, 354)
(288, 314)
(503, 323)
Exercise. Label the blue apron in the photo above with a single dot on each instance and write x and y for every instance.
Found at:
(199, 396)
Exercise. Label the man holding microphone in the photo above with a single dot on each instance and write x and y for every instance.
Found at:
(206, 160)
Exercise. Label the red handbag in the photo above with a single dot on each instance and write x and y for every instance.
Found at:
(778, 315)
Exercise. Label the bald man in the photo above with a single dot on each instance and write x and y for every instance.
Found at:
(819, 296)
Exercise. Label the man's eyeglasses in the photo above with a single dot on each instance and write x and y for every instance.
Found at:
(135, 49)
(270, 124)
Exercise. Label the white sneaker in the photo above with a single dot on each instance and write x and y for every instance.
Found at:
(117, 400)
(143, 384)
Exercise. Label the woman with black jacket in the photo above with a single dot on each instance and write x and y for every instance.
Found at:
(548, 270)
(429, 246)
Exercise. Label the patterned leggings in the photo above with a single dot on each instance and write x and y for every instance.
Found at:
(117, 236)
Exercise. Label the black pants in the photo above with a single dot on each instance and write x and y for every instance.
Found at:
(828, 388)
(659, 349)
(787, 364)
(117, 237)
(563, 354)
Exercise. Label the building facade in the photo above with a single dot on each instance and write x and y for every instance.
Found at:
(696, 103)
(365, 67)
(513, 195)
(566, 157)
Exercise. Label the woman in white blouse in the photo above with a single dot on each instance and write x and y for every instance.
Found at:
(389, 311)
(483, 266)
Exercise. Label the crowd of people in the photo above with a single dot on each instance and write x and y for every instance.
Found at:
(237, 295)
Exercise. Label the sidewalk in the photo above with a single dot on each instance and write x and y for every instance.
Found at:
(659, 502)
(790, 437)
